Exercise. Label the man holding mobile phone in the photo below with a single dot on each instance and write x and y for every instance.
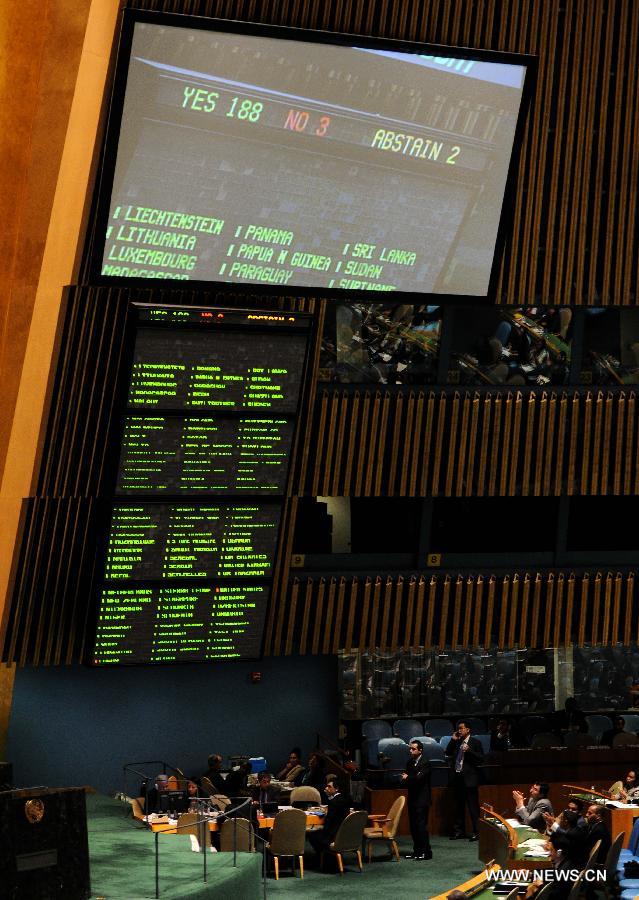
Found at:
(465, 754)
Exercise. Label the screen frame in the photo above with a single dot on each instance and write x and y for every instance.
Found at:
(97, 238)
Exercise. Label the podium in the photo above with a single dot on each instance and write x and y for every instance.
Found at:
(44, 849)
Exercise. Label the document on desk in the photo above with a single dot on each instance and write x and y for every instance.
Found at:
(515, 823)
(617, 804)
(531, 843)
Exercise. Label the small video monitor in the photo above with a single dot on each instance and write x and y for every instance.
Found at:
(173, 801)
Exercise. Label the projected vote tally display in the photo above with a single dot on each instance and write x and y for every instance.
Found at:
(251, 159)
(211, 406)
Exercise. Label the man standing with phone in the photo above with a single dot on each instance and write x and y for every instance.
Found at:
(416, 779)
(465, 754)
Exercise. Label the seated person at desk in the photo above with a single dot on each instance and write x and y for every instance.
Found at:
(315, 776)
(554, 824)
(619, 727)
(338, 807)
(532, 812)
(626, 790)
(193, 787)
(263, 792)
(293, 770)
(151, 795)
(571, 840)
(235, 784)
(597, 830)
(500, 737)
(214, 773)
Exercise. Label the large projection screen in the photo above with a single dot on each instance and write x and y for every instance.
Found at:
(293, 163)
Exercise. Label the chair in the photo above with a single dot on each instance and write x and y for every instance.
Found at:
(540, 895)
(406, 728)
(597, 724)
(545, 740)
(207, 786)
(632, 721)
(434, 752)
(305, 793)
(172, 783)
(137, 807)
(593, 855)
(395, 751)
(349, 839)
(437, 728)
(610, 864)
(445, 741)
(577, 887)
(243, 832)
(287, 838)
(484, 740)
(631, 850)
(575, 739)
(370, 751)
(424, 740)
(187, 823)
(386, 829)
(376, 728)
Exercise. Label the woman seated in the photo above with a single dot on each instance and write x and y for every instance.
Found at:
(626, 790)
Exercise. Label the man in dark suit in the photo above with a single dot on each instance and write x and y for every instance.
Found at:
(465, 754)
(338, 807)
(597, 830)
(263, 792)
(416, 779)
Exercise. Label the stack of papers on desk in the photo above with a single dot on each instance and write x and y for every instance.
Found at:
(515, 823)
(534, 843)
(537, 853)
(618, 804)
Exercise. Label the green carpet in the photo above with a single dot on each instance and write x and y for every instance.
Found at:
(122, 855)
(452, 863)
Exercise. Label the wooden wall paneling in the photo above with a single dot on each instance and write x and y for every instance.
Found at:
(570, 605)
(337, 642)
(276, 615)
(583, 609)
(505, 446)
(596, 609)
(585, 446)
(571, 482)
(350, 450)
(536, 608)
(606, 464)
(514, 451)
(439, 438)
(550, 461)
(478, 610)
(490, 611)
(363, 449)
(417, 449)
(452, 445)
(455, 639)
(364, 643)
(59, 524)
(443, 621)
(342, 417)
(331, 436)
(329, 630)
(636, 463)
(306, 614)
(13, 611)
(560, 467)
(407, 440)
(549, 611)
(397, 616)
(381, 443)
(460, 487)
(75, 611)
(540, 458)
(483, 447)
(503, 615)
(396, 433)
(469, 610)
(615, 636)
(558, 612)
(295, 590)
(472, 447)
(373, 640)
(352, 611)
(619, 444)
(607, 594)
(426, 454)
(384, 638)
(374, 444)
(525, 607)
(319, 444)
(409, 640)
(628, 176)
(430, 618)
(528, 444)
(513, 612)
(629, 633)
(597, 442)
(318, 616)
(630, 443)
(495, 440)
(46, 511)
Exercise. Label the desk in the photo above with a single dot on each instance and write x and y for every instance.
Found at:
(476, 887)
(500, 841)
(169, 827)
(617, 818)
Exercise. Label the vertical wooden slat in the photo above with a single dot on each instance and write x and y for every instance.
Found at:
(630, 429)
(457, 610)
(619, 446)
(397, 616)
(443, 621)
(374, 622)
(406, 443)
(318, 624)
(363, 447)
(373, 439)
(430, 612)
(548, 467)
(525, 607)
(459, 489)
(427, 455)
(319, 448)
(503, 616)
(540, 434)
(596, 445)
(472, 441)
(596, 609)
(479, 609)
(366, 604)
(338, 467)
(572, 450)
(352, 609)
(585, 444)
(549, 612)
(383, 435)
(295, 588)
(352, 437)
(306, 617)
(605, 636)
(528, 444)
(452, 446)
(570, 603)
(386, 611)
(469, 610)
(330, 616)
(339, 615)
(395, 440)
(614, 636)
(483, 447)
(408, 640)
(628, 635)
(514, 453)
(496, 438)
(505, 445)
(606, 444)
(416, 452)
(583, 610)
(558, 612)
(561, 441)
(439, 437)
(536, 607)
(513, 612)
(490, 611)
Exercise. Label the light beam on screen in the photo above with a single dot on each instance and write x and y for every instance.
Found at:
(284, 163)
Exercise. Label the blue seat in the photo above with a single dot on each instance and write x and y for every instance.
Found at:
(376, 728)
(597, 724)
(632, 722)
(406, 728)
(434, 752)
(438, 727)
(425, 740)
(370, 751)
(631, 850)
(394, 752)
(475, 725)
(484, 740)
(445, 741)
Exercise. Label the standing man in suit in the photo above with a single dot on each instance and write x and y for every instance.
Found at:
(465, 754)
(338, 807)
(416, 779)
(533, 812)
